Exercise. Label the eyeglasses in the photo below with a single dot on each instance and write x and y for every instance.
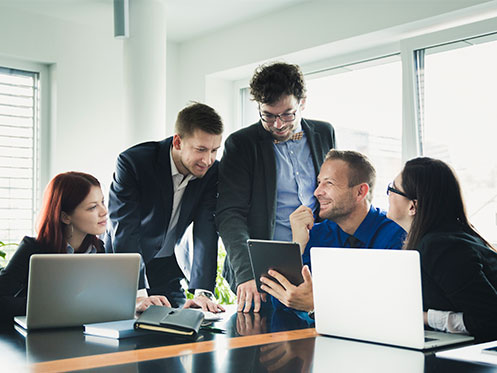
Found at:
(271, 118)
(390, 188)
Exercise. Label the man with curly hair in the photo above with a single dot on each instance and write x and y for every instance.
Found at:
(268, 169)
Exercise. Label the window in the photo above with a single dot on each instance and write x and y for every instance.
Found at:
(19, 160)
(459, 82)
(363, 102)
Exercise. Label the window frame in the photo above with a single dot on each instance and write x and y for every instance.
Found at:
(42, 132)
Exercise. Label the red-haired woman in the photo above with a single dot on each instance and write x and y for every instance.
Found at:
(72, 215)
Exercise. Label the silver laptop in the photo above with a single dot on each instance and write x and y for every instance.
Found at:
(373, 295)
(71, 290)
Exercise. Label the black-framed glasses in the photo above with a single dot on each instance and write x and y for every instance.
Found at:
(390, 188)
(271, 118)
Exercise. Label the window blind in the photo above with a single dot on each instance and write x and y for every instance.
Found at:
(19, 118)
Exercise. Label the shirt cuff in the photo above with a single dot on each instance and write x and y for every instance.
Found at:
(142, 293)
(447, 321)
(198, 291)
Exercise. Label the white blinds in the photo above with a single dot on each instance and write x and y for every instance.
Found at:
(19, 102)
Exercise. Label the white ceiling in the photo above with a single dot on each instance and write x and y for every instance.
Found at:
(186, 19)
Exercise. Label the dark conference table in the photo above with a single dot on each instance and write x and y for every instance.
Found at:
(272, 341)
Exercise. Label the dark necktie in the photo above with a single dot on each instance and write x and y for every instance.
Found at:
(296, 136)
(354, 242)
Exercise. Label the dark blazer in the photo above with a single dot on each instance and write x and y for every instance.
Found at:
(140, 206)
(14, 279)
(459, 273)
(246, 207)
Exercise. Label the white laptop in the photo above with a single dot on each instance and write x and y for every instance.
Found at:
(72, 290)
(373, 295)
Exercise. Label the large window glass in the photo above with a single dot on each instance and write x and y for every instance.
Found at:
(19, 100)
(364, 103)
(460, 119)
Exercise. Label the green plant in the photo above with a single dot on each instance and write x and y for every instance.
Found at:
(222, 292)
(3, 254)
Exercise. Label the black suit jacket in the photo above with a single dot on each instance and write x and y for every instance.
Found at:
(140, 206)
(14, 278)
(246, 206)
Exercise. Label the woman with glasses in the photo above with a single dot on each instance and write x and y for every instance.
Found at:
(72, 216)
(459, 267)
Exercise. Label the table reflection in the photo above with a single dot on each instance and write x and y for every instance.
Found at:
(335, 354)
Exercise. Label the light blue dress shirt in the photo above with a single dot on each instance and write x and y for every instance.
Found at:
(296, 182)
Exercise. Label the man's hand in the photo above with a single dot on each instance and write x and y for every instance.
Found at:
(201, 301)
(301, 221)
(142, 303)
(246, 293)
(250, 323)
(296, 297)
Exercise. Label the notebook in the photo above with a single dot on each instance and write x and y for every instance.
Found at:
(71, 290)
(174, 321)
(373, 295)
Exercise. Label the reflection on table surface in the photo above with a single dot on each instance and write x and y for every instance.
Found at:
(54, 344)
(302, 352)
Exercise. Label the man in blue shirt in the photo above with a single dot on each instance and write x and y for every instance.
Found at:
(344, 193)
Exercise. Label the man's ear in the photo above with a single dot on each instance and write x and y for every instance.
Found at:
(413, 207)
(176, 142)
(302, 103)
(65, 218)
(363, 191)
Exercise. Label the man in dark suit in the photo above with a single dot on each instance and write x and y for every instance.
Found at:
(268, 169)
(158, 190)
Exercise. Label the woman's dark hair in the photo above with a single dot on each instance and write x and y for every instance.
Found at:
(433, 185)
(64, 193)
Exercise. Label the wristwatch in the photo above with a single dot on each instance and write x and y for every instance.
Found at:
(311, 314)
(205, 293)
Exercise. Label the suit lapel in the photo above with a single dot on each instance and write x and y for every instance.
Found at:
(165, 178)
(313, 140)
(269, 166)
(187, 202)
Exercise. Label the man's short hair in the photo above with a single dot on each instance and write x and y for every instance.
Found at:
(361, 168)
(197, 116)
(271, 81)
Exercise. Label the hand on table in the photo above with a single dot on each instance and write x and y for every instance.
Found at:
(246, 293)
(142, 303)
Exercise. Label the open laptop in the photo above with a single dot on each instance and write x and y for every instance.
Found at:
(72, 290)
(373, 295)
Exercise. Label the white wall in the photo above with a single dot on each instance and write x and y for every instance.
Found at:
(87, 95)
(294, 34)
(173, 102)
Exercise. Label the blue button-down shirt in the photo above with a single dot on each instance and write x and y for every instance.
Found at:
(375, 232)
(296, 182)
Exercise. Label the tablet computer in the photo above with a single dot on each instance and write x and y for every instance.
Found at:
(283, 257)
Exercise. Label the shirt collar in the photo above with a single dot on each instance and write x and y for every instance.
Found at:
(91, 250)
(367, 229)
(174, 169)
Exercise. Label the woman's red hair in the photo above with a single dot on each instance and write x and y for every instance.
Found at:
(64, 193)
